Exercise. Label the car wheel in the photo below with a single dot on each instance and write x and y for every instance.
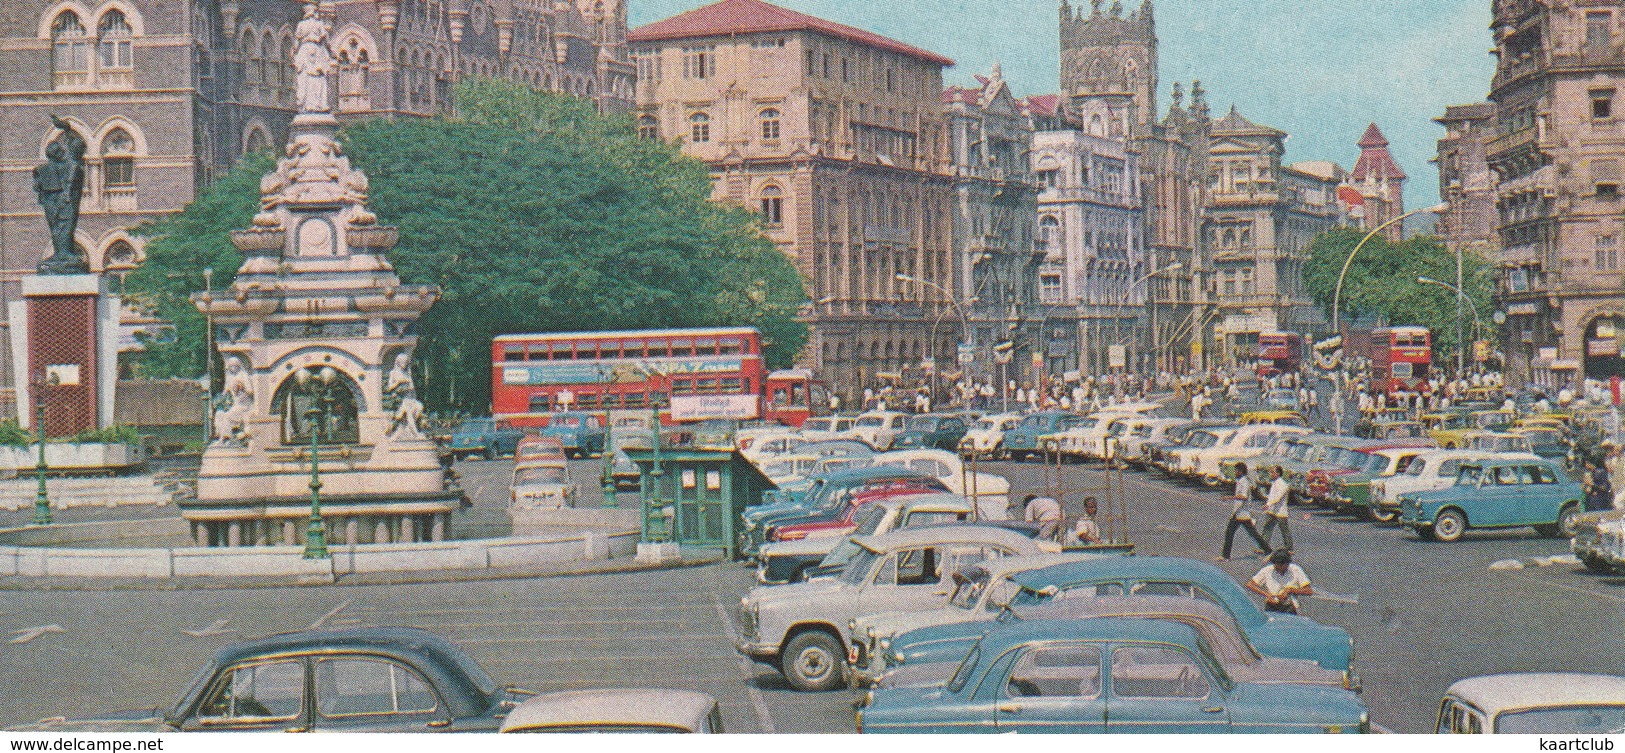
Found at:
(1565, 521)
(800, 575)
(812, 662)
(1597, 564)
(1449, 525)
(1378, 515)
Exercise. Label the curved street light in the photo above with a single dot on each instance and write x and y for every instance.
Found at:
(1478, 324)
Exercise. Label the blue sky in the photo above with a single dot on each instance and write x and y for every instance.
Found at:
(1319, 69)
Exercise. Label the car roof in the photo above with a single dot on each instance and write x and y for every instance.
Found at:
(685, 709)
(944, 534)
(1496, 693)
(463, 681)
(1002, 636)
(1002, 566)
(1118, 567)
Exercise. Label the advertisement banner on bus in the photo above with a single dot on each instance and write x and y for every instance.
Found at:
(702, 407)
(612, 373)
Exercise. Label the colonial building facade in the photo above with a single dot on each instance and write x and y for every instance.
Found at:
(170, 93)
(1380, 182)
(996, 210)
(1261, 218)
(838, 136)
(1556, 155)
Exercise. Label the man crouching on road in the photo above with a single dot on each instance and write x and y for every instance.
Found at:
(1279, 582)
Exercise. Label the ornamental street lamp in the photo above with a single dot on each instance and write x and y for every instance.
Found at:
(1128, 293)
(318, 384)
(42, 503)
(1462, 301)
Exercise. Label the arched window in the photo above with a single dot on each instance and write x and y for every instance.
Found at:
(773, 205)
(354, 94)
(770, 124)
(118, 160)
(1049, 232)
(70, 50)
(263, 64)
(284, 70)
(649, 127)
(120, 255)
(699, 128)
(1097, 126)
(257, 141)
(113, 43)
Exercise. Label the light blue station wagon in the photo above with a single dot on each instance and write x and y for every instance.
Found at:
(1496, 494)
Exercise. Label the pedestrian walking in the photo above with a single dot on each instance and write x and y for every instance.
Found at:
(1241, 517)
(1275, 504)
(1280, 583)
(1599, 488)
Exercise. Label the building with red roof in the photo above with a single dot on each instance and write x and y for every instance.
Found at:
(838, 136)
(1380, 182)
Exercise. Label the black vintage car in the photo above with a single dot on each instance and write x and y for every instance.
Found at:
(359, 680)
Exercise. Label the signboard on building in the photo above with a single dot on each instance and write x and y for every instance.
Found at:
(1603, 348)
(967, 353)
(702, 407)
(1117, 357)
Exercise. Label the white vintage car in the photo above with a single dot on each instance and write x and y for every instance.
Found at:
(990, 492)
(799, 628)
(1087, 440)
(1244, 443)
(877, 428)
(1150, 432)
(986, 438)
(1546, 703)
(820, 428)
(542, 484)
(1181, 460)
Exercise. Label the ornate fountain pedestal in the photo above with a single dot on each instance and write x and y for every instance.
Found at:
(316, 335)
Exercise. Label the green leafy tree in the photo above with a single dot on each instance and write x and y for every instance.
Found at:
(533, 213)
(1382, 283)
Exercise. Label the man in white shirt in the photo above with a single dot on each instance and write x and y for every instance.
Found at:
(1280, 582)
(1275, 509)
(1086, 531)
(1046, 512)
(1240, 517)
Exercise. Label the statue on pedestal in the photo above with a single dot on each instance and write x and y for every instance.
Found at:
(313, 61)
(400, 396)
(60, 186)
(234, 404)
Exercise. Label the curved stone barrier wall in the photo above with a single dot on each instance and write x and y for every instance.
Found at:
(37, 552)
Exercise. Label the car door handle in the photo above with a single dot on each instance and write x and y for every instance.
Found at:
(297, 729)
(1213, 710)
(1009, 708)
(438, 723)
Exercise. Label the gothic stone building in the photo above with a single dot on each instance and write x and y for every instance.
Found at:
(169, 93)
(838, 136)
(1556, 154)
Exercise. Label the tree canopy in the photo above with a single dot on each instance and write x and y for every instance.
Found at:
(1382, 283)
(533, 213)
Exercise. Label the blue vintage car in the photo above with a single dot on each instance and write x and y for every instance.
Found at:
(1276, 634)
(1113, 675)
(827, 494)
(583, 434)
(1496, 494)
(486, 437)
(1022, 440)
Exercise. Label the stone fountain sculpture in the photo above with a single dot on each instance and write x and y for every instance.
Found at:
(316, 334)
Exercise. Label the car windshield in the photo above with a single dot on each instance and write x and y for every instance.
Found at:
(1416, 468)
(921, 423)
(961, 675)
(1543, 436)
(970, 588)
(870, 422)
(858, 567)
(1087, 423)
(1563, 720)
(1333, 456)
(1203, 439)
(867, 519)
(779, 469)
(1355, 460)
(1377, 464)
(474, 426)
(1142, 431)
(816, 424)
(565, 422)
(1468, 475)
(541, 475)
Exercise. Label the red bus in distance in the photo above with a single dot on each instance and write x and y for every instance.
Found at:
(689, 374)
(1401, 359)
(1279, 353)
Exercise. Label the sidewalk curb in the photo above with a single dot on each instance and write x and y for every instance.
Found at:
(573, 570)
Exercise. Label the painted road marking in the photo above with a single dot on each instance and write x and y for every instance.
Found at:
(320, 621)
(747, 668)
(217, 628)
(27, 634)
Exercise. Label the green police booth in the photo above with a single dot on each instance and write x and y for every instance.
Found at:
(696, 498)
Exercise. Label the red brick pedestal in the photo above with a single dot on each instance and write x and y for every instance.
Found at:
(69, 341)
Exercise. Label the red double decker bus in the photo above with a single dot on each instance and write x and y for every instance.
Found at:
(690, 374)
(1279, 353)
(1401, 359)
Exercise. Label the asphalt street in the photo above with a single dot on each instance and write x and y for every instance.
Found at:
(1423, 615)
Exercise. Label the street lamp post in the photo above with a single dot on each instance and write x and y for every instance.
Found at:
(1461, 301)
(42, 503)
(319, 386)
(964, 321)
(1128, 292)
(1337, 294)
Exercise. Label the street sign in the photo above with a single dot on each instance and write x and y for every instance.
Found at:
(1117, 357)
(967, 353)
(1004, 352)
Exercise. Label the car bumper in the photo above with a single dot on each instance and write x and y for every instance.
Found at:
(759, 652)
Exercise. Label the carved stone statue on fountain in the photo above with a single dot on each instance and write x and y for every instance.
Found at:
(313, 61)
(235, 403)
(401, 398)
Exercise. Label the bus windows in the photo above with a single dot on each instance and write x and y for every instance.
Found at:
(705, 346)
(682, 387)
(781, 396)
(682, 348)
(612, 401)
(798, 395)
(730, 346)
(1402, 371)
(733, 386)
(513, 352)
(637, 400)
(587, 402)
(706, 386)
(632, 349)
(609, 349)
(540, 403)
(658, 349)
